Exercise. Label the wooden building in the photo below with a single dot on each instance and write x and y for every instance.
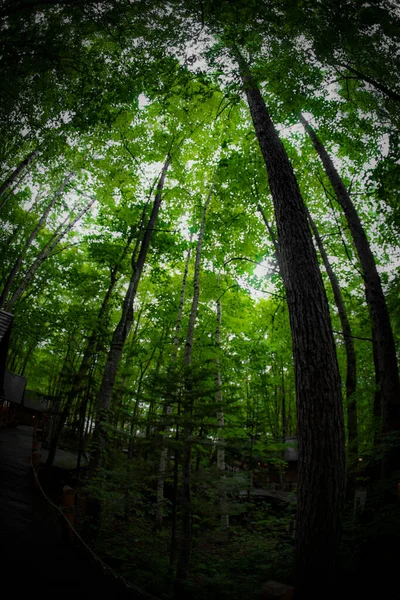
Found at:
(5, 332)
(13, 401)
(271, 471)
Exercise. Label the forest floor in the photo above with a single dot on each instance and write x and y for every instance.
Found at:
(36, 557)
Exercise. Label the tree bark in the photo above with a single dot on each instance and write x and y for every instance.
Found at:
(29, 241)
(321, 470)
(174, 512)
(168, 409)
(184, 555)
(284, 416)
(15, 174)
(351, 372)
(121, 333)
(382, 331)
(220, 420)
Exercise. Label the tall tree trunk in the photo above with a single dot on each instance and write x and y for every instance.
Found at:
(82, 373)
(10, 191)
(220, 420)
(321, 475)
(174, 512)
(283, 393)
(168, 408)
(15, 174)
(30, 239)
(351, 372)
(381, 327)
(121, 332)
(271, 234)
(143, 368)
(184, 555)
(392, 94)
(44, 254)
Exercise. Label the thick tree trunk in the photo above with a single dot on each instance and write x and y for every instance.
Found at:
(184, 555)
(32, 236)
(220, 422)
(121, 333)
(44, 254)
(15, 174)
(382, 331)
(168, 409)
(321, 470)
(351, 372)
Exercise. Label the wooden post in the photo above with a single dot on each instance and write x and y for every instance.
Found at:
(81, 507)
(68, 508)
(36, 456)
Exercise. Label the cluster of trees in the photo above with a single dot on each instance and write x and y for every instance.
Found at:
(199, 238)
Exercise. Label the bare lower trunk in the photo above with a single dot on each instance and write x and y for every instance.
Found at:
(383, 336)
(28, 243)
(184, 555)
(174, 515)
(168, 409)
(321, 469)
(121, 333)
(220, 422)
(351, 372)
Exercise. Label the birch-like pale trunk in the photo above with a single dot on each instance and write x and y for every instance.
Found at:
(321, 465)
(121, 333)
(169, 407)
(28, 243)
(186, 543)
(10, 191)
(15, 174)
(382, 333)
(45, 253)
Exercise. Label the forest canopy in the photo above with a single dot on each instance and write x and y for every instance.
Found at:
(200, 221)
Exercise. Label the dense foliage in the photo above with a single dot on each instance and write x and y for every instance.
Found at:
(95, 98)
